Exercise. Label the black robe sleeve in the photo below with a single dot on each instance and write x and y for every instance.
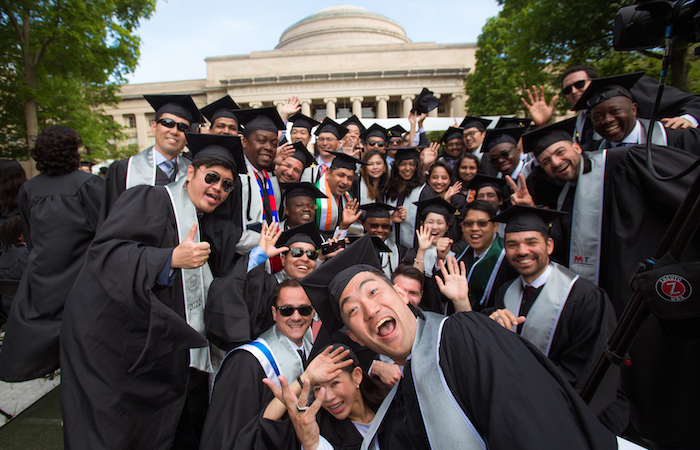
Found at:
(238, 305)
(115, 184)
(674, 102)
(238, 401)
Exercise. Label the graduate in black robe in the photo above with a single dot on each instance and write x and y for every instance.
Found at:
(59, 210)
(514, 397)
(636, 212)
(127, 339)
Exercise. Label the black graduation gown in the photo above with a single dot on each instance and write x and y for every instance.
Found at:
(686, 139)
(238, 306)
(504, 274)
(13, 261)
(239, 398)
(586, 322)
(59, 217)
(341, 434)
(637, 210)
(513, 395)
(125, 341)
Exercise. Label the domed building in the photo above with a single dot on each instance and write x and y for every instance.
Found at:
(340, 61)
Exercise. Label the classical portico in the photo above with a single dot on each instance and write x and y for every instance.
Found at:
(343, 60)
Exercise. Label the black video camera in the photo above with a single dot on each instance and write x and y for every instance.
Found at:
(644, 25)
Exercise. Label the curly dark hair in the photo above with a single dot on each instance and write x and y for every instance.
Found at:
(393, 186)
(10, 231)
(12, 177)
(56, 151)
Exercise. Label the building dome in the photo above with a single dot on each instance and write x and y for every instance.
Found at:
(342, 26)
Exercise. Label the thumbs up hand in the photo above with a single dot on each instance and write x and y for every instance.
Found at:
(190, 254)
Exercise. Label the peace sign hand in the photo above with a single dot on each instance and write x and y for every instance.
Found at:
(520, 195)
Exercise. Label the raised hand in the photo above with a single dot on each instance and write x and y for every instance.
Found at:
(538, 108)
(283, 152)
(453, 283)
(303, 417)
(327, 365)
(399, 215)
(429, 155)
(291, 106)
(424, 238)
(190, 254)
(269, 235)
(351, 214)
(452, 190)
(443, 246)
(520, 195)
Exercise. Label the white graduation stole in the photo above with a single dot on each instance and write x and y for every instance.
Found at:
(141, 169)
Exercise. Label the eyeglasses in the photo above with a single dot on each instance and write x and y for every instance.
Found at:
(286, 311)
(471, 133)
(299, 252)
(577, 84)
(213, 178)
(478, 223)
(375, 144)
(169, 123)
(505, 154)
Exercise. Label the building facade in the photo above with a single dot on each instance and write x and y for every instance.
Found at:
(343, 60)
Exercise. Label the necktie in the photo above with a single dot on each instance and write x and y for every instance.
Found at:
(528, 293)
(171, 167)
(323, 169)
(265, 198)
(302, 355)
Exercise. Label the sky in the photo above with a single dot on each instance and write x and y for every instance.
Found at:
(181, 33)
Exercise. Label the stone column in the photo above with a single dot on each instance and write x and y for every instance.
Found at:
(434, 113)
(255, 104)
(278, 104)
(143, 127)
(357, 106)
(382, 112)
(457, 105)
(330, 107)
(306, 106)
(407, 104)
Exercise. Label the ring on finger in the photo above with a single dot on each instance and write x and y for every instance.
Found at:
(302, 408)
(496, 317)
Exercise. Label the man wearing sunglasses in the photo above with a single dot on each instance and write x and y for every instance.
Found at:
(677, 108)
(328, 141)
(161, 163)
(133, 351)
(374, 138)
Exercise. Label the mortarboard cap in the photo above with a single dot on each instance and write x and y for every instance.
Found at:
(301, 121)
(452, 133)
(480, 180)
(513, 122)
(375, 130)
(86, 164)
(396, 131)
(302, 154)
(405, 153)
(436, 205)
(500, 135)
(378, 210)
(425, 102)
(180, 105)
(345, 161)
(220, 146)
(223, 107)
(301, 189)
(475, 122)
(307, 232)
(325, 285)
(539, 140)
(605, 88)
(330, 126)
(354, 120)
(379, 245)
(526, 218)
(266, 119)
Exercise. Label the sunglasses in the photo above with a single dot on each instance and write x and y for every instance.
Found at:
(505, 154)
(299, 252)
(478, 223)
(213, 178)
(578, 85)
(170, 123)
(375, 144)
(286, 311)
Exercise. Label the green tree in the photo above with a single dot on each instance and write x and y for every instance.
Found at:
(532, 41)
(61, 59)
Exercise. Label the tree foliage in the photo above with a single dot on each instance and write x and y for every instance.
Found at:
(532, 41)
(61, 60)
